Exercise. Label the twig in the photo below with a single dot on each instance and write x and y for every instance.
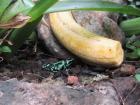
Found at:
(133, 89)
(137, 101)
(4, 38)
(45, 23)
(1, 59)
(122, 100)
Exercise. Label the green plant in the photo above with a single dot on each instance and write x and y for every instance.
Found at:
(10, 9)
(31, 14)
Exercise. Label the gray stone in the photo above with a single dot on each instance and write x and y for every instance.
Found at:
(14, 92)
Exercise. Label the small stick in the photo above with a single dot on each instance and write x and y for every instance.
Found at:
(4, 38)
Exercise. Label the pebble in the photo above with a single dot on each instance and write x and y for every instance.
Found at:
(72, 80)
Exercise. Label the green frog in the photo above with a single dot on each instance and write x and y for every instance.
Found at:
(58, 66)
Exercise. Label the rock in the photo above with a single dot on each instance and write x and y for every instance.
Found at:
(100, 23)
(112, 30)
(123, 71)
(128, 69)
(113, 92)
(105, 94)
(128, 90)
(52, 45)
(72, 80)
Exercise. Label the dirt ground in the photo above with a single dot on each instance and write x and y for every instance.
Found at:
(96, 85)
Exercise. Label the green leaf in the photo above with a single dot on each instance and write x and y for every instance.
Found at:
(65, 5)
(138, 51)
(3, 5)
(20, 6)
(33, 36)
(137, 77)
(18, 36)
(5, 49)
(131, 47)
(131, 26)
(133, 55)
(40, 7)
(137, 43)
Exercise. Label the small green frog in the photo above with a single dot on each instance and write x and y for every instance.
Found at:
(58, 66)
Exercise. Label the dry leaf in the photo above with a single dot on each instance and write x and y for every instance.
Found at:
(17, 22)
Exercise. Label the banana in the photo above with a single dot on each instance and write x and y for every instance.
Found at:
(95, 49)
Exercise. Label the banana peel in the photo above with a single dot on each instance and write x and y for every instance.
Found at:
(93, 48)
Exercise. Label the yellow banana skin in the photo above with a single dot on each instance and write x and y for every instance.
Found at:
(84, 44)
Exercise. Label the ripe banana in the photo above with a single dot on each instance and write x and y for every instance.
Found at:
(91, 47)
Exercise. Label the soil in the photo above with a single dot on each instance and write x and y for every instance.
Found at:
(26, 66)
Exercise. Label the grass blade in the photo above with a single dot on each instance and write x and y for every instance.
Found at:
(3, 5)
(65, 5)
(18, 7)
(40, 8)
(18, 36)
